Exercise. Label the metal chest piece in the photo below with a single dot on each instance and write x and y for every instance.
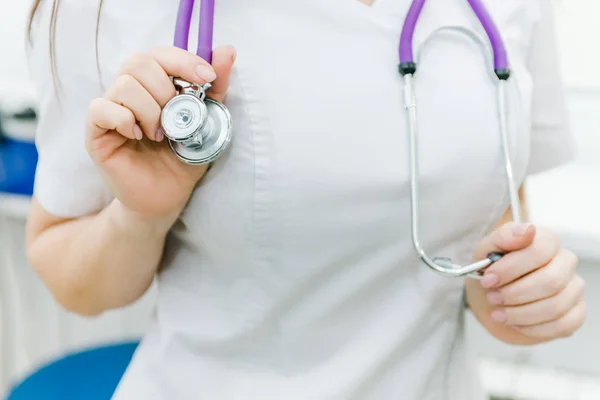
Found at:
(198, 128)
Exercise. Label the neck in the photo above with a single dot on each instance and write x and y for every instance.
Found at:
(367, 2)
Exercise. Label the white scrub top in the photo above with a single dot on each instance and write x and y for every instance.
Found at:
(291, 273)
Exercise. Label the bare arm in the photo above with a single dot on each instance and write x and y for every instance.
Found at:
(108, 260)
(98, 262)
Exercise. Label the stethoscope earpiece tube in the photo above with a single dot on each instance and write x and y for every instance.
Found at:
(198, 128)
(407, 68)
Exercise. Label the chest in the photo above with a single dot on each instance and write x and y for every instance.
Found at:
(322, 80)
(320, 143)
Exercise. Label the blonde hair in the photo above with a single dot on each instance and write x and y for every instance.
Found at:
(52, 34)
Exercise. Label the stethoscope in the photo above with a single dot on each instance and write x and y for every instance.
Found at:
(407, 69)
(199, 129)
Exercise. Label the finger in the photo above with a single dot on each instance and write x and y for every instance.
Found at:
(183, 64)
(519, 263)
(130, 93)
(562, 327)
(105, 115)
(148, 72)
(508, 237)
(542, 283)
(223, 59)
(545, 310)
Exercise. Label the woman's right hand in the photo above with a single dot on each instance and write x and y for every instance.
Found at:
(124, 137)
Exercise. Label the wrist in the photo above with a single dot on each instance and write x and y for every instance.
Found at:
(126, 219)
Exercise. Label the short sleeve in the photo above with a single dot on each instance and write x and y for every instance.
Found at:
(552, 142)
(67, 183)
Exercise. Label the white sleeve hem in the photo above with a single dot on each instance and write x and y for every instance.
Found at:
(69, 198)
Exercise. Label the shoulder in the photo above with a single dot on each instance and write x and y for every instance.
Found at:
(130, 26)
(62, 34)
(517, 19)
(90, 39)
(518, 10)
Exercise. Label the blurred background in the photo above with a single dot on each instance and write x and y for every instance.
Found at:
(33, 330)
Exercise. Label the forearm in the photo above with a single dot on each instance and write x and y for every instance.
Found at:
(95, 263)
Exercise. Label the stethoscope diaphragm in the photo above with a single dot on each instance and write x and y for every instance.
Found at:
(211, 141)
(198, 128)
(183, 117)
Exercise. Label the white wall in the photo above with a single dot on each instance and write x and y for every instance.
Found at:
(14, 78)
(579, 35)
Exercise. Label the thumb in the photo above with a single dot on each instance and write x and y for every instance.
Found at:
(508, 237)
(222, 62)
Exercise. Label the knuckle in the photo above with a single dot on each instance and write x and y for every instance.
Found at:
(95, 106)
(124, 82)
(583, 317)
(165, 93)
(571, 259)
(553, 309)
(123, 120)
(139, 58)
(510, 295)
(170, 91)
(568, 325)
(566, 333)
(563, 328)
(543, 251)
(580, 285)
(156, 49)
(582, 309)
(126, 118)
(551, 236)
(504, 233)
(553, 281)
(511, 317)
(135, 62)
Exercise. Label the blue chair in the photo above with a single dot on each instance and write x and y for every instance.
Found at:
(18, 158)
(18, 161)
(88, 375)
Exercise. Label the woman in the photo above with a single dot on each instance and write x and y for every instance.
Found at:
(286, 270)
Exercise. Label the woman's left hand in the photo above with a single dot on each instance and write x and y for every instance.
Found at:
(534, 288)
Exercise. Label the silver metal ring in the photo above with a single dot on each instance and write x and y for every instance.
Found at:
(211, 142)
(183, 117)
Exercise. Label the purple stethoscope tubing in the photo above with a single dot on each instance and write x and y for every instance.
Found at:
(407, 68)
(405, 49)
(199, 128)
(205, 28)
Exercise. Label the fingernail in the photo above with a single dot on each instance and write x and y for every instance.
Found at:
(495, 298)
(489, 280)
(205, 73)
(520, 230)
(137, 132)
(498, 316)
(160, 135)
